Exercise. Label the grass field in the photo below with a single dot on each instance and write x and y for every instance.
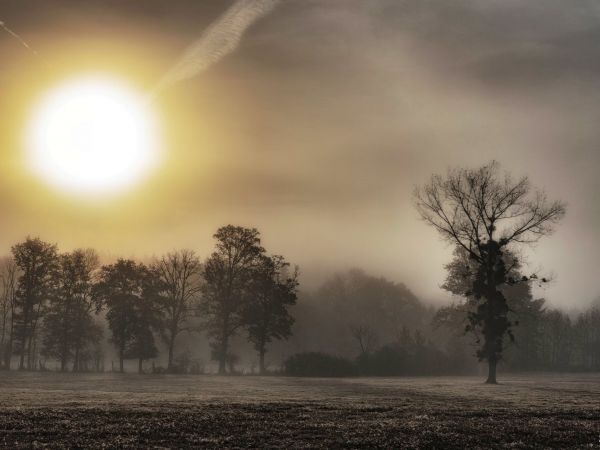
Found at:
(131, 411)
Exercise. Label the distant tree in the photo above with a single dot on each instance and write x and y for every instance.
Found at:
(129, 294)
(232, 360)
(365, 300)
(180, 276)
(227, 275)
(587, 337)
(266, 313)
(557, 339)
(419, 340)
(527, 313)
(183, 362)
(365, 337)
(8, 285)
(69, 325)
(142, 346)
(37, 262)
(405, 338)
(486, 213)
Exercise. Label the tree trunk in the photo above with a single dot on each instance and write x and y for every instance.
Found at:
(29, 347)
(223, 357)
(140, 363)
(34, 350)
(491, 372)
(22, 357)
(261, 361)
(23, 336)
(121, 369)
(76, 360)
(2, 339)
(8, 354)
(223, 350)
(171, 349)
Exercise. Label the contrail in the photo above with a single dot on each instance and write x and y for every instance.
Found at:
(220, 38)
(17, 37)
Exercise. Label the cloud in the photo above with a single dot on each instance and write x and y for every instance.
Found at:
(221, 38)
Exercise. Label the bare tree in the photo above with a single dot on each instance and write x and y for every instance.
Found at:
(365, 336)
(179, 273)
(485, 212)
(8, 281)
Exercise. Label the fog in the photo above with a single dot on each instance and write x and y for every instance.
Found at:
(317, 127)
(374, 224)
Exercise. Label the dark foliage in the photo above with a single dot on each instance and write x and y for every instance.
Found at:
(227, 276)
(37, 262)
(315, 364)
(266, 313)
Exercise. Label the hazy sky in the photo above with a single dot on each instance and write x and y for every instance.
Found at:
(317, 128)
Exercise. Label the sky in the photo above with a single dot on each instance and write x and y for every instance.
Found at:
(318, 126)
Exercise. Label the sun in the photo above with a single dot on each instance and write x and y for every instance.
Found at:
(93, 135)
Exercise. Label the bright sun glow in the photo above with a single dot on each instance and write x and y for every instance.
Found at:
(92, 136)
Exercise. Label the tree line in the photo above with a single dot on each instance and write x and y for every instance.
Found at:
(386, 330)
(54, 304)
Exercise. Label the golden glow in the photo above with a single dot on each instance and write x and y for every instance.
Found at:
(93, 136)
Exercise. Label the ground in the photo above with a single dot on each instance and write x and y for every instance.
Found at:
(164, 411)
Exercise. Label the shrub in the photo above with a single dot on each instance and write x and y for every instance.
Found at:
(315, 364)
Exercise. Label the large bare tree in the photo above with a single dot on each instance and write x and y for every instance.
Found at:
(486, 212)
(180, 274)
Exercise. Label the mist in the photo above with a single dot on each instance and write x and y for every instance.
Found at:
(369, 101)
(319, 259)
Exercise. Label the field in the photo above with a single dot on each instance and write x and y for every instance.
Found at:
(130, 411)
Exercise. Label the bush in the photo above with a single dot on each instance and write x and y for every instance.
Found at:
(396, 360)
(315, 364)
(388, 360)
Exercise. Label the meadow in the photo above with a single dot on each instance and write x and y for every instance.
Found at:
(52, 410)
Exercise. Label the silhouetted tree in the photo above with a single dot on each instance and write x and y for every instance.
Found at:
(126, 290)
(37, 261)
(142, 346)
(180, 275)
(227, 274)
(558, 339)
(527, 313)
(587, 337)
(69, 326)
(8, 285)
(266, 312)
(523, 311)
(486, 213)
